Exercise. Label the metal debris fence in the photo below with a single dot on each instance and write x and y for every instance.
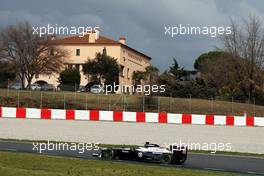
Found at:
(115, 102)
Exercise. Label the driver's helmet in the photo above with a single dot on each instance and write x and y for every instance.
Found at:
(147, 144)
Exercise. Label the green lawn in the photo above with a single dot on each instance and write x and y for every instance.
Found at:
(71, 100)
(20, 164)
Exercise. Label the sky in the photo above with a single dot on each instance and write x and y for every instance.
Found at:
(142, 22)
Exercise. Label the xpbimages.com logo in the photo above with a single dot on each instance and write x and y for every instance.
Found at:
(63, 30)
(212, 31)
(213, 147)
(41, 147)
(141, 89)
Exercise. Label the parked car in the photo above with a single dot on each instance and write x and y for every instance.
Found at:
(48, 87)
(16, 86)
(97, 89)
(35, 87)
(82, 89)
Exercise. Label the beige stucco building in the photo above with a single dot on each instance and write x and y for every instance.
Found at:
(83, 48)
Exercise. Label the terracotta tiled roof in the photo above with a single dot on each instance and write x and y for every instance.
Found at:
(85, 40)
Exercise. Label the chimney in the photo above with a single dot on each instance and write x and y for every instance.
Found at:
(97, 34)
(122, 40)
(91, 37)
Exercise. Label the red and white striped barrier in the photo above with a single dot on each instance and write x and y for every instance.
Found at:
(119, 116)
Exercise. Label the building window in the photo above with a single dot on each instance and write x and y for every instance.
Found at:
(122, 71)
(127, 73)
(77, 52)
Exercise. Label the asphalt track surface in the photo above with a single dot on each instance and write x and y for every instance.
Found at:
(215, 162)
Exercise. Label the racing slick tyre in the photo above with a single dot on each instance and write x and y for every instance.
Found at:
(108, 154)
(181, 162)
(184, 157)
(166, 159)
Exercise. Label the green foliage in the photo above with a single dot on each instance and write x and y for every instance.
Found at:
(229, 75)
(151, 75)
(178, 72)
(70, 79)
(148, 77)
(178, 83)
(220, 75)
(177, 88)
(138, 76)
(207, 56)
(103, 67)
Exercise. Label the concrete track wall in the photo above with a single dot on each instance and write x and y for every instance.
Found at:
(242, 139)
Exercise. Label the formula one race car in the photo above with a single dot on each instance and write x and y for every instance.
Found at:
(149, 152)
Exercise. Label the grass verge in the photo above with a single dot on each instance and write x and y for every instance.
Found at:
(12, 164)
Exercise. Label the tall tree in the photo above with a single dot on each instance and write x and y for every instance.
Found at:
(31, 54)
(247, 41)
(207, 56)
(103, 67)
(178, 72)
(151, 75)
(137, 77)
(70, 79)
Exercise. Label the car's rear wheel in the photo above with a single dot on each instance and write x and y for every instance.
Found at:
(166, 159)
(183, 160)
